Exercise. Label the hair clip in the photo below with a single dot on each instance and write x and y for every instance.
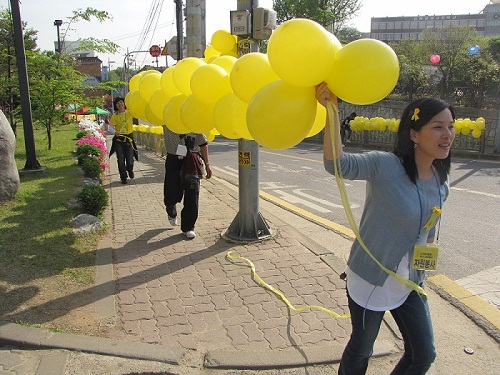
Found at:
(415, 117)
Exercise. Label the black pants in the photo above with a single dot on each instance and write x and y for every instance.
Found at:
(125, 158)
(174, 191)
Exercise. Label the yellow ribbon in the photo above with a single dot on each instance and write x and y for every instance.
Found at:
(436, 212)
(278, 292)
(332, 114)
(415, 114)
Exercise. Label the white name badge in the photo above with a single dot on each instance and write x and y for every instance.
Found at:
(181, 150)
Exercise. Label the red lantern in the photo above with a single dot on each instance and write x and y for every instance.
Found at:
(435, 59)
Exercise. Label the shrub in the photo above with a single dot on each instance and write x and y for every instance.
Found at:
(82, 134)
(91, 167)
(93, 199)
(88, 150)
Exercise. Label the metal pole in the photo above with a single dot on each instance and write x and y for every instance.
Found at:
(248, 225)
(58, 23)
(29, 139)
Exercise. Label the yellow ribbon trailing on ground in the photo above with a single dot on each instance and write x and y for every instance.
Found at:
(279, 293)
(332, 114)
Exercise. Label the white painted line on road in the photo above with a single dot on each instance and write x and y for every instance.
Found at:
(296, 200)
(477, 192)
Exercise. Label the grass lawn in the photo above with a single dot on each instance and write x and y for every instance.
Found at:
(40, 258)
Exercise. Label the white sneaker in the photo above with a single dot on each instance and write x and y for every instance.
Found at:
(172, 221)
(190, 234)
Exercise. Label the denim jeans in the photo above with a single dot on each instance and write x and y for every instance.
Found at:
(414, 321)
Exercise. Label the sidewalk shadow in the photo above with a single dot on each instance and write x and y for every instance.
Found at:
(63, 305)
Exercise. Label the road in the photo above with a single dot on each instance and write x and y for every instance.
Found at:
(470, 229)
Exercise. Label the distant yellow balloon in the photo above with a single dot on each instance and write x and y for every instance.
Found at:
(281, 115)
(223, 41)
(209, 83)
(172, 114)
(301, 52)
(183, 71)
(250, 73)
(225, 62)
(364, 72)
(476, 133)
(319, 121)
(167, 83)
(196, 115)
(223, 118)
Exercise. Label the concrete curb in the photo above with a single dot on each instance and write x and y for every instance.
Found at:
(36, 338)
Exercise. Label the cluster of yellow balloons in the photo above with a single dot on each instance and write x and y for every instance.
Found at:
(148, 129)
(466, 126)
(462, 126)
(269, 98)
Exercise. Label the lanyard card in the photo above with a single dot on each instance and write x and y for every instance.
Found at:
(425, 257)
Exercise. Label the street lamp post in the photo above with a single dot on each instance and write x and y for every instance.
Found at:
(111, 90)
(58, 23)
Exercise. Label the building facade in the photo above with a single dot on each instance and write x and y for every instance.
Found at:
(390, 29)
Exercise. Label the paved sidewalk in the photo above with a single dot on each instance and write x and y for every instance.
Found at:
(180, 306)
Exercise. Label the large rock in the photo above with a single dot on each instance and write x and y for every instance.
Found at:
(9, 175)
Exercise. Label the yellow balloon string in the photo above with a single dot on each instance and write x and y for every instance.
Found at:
(278, 292)
(332, 114)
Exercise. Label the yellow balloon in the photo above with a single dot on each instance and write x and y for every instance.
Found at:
(167, 83)
(222, 116)
(465, 130)
(301, 51)
(210, 52)
(209, 83)
(133, 84)
(183, 72)
(223, 41)
(319, 121)
(137, 105)
(476, 133)
(239, 120)
(196, 115)
(157, 104)
(172, 114)
(226, 62)
(281, 115)
(211, 135)
(364, 72)
(250, 73)
(149, 84)
(152, 118)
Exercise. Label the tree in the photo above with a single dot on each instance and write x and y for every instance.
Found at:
(9, 83)
(54, 83)
(348, 34)
(332, 14)
(451, 44)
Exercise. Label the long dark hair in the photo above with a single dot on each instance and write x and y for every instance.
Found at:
(404, 147)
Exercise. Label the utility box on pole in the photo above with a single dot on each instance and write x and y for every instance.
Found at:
(248, 225)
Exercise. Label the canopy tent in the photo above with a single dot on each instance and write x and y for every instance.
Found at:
(96, 111)
(82, 111)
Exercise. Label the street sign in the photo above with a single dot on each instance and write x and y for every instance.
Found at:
(164, 51)
(155, 51)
